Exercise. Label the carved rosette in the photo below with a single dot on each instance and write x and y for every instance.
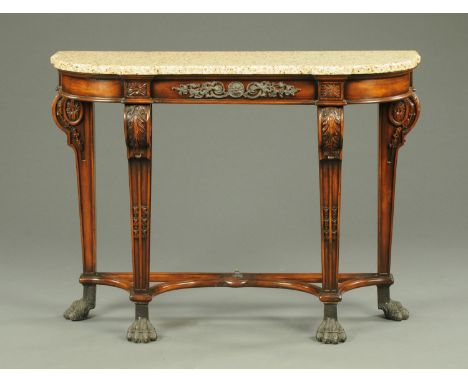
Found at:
(138, 131)
(403, 115)
(330, 90)
(68, 116)
(331, 126)
(137, 88)
(236, 89)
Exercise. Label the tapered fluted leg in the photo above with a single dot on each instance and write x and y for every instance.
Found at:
(396, 119)
(330, 134)
(76, 119)
(137, 123)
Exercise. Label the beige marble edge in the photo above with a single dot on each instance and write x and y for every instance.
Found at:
(241, 69)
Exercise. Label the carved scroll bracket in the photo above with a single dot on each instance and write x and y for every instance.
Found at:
(68, 116)
(403, 115)
(137, 122)
(330, 132)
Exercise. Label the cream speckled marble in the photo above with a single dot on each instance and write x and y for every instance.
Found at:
(302, 62)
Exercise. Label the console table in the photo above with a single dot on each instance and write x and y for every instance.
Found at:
(329, 80)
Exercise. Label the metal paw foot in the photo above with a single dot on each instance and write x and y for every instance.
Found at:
(330, 331)
(141, 331)
(78, 310)
(394, 310)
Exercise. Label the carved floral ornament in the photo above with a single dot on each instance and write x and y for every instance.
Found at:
(140, 221)
(326, 223)
(236, 89)
(334, 216)
(69, 112)
(327, 216)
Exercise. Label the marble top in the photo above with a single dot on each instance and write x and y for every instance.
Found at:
(278, 62)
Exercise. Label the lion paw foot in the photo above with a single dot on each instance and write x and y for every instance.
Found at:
(141, 331)
(78, 310)
(394, 310)
(330, 331)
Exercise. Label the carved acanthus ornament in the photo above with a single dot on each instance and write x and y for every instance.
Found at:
(236, 89)
(331, 124)
(403, 115)
(137, 130)
(68, 116)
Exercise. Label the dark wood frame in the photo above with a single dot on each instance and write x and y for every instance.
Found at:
(398, 112)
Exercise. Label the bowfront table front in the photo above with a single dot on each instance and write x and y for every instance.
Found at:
(329, 80)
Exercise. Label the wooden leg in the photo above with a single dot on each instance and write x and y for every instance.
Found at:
(76, 119)
(330, 137)
(137, 125)
(396, 119)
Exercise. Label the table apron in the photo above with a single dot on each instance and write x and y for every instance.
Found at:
(235, 89)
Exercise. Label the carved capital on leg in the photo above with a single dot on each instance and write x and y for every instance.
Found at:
(330, 132)
(138, 131)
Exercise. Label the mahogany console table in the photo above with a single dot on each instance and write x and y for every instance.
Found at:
(329, 80)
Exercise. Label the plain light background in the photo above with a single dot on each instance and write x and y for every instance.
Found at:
(234, 187)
